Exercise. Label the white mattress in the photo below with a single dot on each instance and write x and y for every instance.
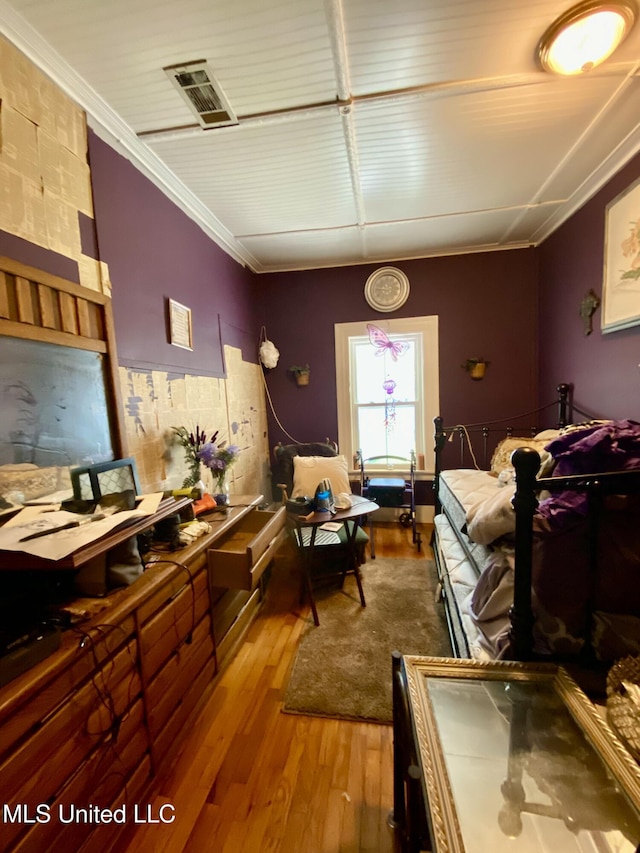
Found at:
(461, 559)
(463, 577)
(458, 490)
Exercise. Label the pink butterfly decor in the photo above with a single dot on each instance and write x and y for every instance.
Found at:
(383, 344)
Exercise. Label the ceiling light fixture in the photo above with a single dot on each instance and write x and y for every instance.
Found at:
(585, 35)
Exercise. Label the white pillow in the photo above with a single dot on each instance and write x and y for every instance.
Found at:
(308, 471)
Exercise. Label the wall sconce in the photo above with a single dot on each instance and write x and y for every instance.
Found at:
(585, 35)
(476, 367)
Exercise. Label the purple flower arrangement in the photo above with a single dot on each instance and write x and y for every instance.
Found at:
(218, 458)
(215, 455)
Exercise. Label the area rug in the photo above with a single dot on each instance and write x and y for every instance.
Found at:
(343, 666)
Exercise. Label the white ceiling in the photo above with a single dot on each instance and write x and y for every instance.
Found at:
(369, 130)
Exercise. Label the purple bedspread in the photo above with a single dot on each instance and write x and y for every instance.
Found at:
(577, 600)
(610, 446)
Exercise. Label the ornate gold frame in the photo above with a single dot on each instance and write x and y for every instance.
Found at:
(444, 821)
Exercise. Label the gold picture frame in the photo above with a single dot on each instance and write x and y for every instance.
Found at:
(621, 279)
(483, 730)
(180, 327)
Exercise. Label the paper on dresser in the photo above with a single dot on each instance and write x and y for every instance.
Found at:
(64, 542)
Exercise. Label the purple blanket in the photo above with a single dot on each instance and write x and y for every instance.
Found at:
(610, 446)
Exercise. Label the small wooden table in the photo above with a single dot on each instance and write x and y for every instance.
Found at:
(310, 525)
(506, 756)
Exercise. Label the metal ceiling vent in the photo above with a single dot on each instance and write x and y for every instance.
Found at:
(204, 97)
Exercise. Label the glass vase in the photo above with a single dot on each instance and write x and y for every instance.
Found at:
(221, 492)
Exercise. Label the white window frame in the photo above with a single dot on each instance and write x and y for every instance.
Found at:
(429, 371)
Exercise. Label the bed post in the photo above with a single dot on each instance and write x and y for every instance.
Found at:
(564, 415)
(526, 462)
(440, 438)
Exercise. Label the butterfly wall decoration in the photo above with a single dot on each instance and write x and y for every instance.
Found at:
(383, 344)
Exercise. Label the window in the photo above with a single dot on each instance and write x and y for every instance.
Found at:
(387, 386)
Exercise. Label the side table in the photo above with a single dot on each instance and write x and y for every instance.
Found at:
(506, 756)
(306, 531)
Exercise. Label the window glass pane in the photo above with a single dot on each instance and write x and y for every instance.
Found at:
(372, 371)
(368, 374)
(374, 437)
(403, 373)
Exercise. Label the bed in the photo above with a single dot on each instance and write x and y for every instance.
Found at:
(538, 552)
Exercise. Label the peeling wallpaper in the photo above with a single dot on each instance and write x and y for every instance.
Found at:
(155, 401)
(45, 181)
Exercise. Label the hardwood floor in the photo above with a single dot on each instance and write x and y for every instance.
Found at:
(249, 778)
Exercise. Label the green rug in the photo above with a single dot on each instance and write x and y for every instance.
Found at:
(343, 667)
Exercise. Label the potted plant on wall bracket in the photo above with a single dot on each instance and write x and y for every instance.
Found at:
(475, 367)
(301, 374)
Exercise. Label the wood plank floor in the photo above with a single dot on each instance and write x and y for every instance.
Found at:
(249, 778)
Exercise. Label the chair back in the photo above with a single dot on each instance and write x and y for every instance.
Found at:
(282, 466)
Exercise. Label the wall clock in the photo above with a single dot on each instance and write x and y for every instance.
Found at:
(387, 289)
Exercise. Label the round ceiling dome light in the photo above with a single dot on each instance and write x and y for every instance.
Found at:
(585, 36)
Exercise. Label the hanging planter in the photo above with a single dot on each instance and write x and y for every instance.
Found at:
(475, 367)
(301, 374)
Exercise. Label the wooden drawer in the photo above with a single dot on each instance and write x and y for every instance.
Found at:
(226, 610)
(169, 686)
(168, 591)
(161, 635)
(17, 718)
(166, 740)
(45, 760)
(239, 559)
(100, 779)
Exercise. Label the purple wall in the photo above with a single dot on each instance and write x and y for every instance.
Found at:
(35, 256)
(603, 368)
(154, 251)
(487, 305)
(518, 309)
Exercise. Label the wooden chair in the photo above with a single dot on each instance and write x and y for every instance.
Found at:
(320, 560)
(283, 477)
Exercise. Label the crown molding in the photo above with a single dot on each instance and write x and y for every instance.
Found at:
(600, 176)
(113, 130)
(110, 127)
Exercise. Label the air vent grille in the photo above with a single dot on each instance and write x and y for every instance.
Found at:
(201, 92)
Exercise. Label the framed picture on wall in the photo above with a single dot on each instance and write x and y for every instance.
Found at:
(180, 329)
(621, 284)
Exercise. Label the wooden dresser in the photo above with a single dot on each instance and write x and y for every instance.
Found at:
(86, 729)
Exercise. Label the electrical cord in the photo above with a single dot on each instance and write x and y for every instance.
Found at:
(103, 693)
(273, 411)
(189, 637)
(463, 429)
(116, 720)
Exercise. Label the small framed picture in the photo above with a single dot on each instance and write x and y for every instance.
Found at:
(180, 329)
(621, 285)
